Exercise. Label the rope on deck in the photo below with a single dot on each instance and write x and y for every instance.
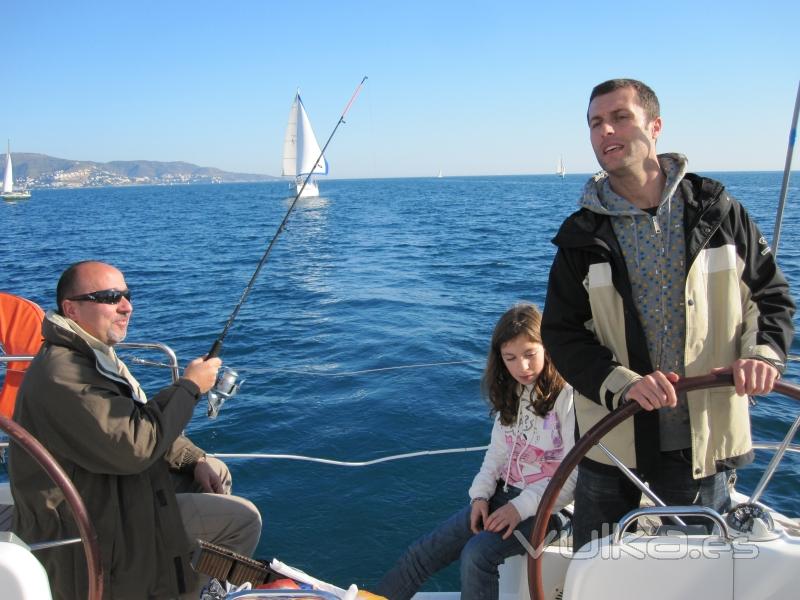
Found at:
(340, 463)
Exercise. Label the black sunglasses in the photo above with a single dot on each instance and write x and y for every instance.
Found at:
(103, 297)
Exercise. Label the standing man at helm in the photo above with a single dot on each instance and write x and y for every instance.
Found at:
(660, 274)
(126, 454)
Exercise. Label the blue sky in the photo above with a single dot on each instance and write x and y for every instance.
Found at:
(471, 88)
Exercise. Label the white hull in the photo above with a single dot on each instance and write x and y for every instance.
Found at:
(13, 196)
(310, 191)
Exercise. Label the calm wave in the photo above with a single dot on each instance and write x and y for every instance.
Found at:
(374, 274)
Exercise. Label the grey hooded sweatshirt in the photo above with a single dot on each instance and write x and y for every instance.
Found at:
(654, 248)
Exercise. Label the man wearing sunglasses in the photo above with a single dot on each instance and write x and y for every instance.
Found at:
(126, 454)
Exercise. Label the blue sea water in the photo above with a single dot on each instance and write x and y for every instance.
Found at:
(373, 276)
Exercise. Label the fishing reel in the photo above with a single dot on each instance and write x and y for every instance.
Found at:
(224, 389)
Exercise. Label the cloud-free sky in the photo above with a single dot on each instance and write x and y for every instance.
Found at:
(465, 87)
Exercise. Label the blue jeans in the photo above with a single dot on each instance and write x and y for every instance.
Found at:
(480, 555)
(603, 496)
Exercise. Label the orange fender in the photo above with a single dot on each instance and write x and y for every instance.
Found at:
(20, 335)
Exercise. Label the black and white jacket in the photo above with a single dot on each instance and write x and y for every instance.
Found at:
(737, 305)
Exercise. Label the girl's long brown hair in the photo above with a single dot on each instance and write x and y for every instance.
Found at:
(498, 386)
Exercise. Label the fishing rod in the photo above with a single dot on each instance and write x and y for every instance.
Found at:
(226, 385)
(776, 236)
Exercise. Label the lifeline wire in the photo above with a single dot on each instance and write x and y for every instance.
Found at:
(216, 348)
(363, 371)
(310, 371)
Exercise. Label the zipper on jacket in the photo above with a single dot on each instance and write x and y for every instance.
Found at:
(656, 228)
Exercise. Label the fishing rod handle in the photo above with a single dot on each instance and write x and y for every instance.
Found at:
(216, 349)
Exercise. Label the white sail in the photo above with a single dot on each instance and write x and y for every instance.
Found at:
(289, 168)
(300, 147)
(308, 150)
(8, 179)
(8, 192)
(560, 169)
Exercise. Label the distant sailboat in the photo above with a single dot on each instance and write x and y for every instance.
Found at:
(561, 170)
(301, 151)
(439, 176)
(8, 182)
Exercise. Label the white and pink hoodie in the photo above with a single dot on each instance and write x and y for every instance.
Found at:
(526, 454)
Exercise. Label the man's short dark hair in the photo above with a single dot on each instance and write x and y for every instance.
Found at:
(647, 97)
(67, 284)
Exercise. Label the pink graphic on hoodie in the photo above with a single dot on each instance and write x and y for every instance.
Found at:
(538, 456)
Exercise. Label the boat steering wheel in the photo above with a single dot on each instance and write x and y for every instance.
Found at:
(584, 444)
(39, 453)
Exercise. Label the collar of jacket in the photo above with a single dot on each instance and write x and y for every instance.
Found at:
(61, 331)
(706, 205)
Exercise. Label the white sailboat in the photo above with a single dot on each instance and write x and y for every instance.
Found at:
(560, 169)
(8, 181)
(301, 152)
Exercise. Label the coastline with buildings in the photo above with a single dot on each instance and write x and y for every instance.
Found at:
(37, 171)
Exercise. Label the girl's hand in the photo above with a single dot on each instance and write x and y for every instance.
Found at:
(506, 518)
(480, 511)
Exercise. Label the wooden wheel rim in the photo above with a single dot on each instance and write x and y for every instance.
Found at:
(45, 460)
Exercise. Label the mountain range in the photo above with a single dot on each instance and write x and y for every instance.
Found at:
(39, 170)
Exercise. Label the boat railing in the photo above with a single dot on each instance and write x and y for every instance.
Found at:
(172, 365)
(672, 512)
(173, 359)
(11, 358)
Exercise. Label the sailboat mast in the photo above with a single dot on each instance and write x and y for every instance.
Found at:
(776, 236)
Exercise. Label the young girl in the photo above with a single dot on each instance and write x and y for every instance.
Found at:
(533, 431)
